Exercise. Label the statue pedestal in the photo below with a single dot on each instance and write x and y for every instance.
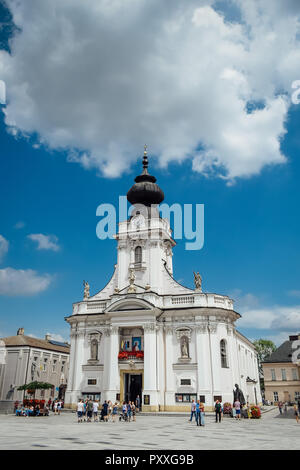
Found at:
(93, 362)
(184, 359)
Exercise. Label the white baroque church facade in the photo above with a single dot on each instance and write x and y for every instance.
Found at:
(145, 334)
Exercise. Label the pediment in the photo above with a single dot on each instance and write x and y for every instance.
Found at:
(130, 305)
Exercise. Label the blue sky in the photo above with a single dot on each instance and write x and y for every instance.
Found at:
(48, 187)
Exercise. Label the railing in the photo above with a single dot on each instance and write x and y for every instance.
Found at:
(125, 355)
(183, 300)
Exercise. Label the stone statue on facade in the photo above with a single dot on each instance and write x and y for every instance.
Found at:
(86, 292)
(184, 347)
(238, 395)
(131, 278)
(94, 349)
(198, 282)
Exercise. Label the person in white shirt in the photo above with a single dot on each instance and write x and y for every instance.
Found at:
(95, 410)
(80, 411)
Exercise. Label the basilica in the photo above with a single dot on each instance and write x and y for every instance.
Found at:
(146, 334)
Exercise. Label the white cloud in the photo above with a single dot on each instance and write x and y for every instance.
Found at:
(102, 78)
(279, 318)
(57, 337)
(45, 242)
(4, 244)
(14, 282)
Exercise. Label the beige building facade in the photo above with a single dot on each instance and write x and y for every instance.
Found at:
(25, 359)
(282, 374)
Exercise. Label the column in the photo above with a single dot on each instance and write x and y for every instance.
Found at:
(75, 372)
(204, 385)
(150, 367)
(169, 373)
(111, 364)
(215, 358)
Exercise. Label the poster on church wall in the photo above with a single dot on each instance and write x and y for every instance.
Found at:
(137, 343)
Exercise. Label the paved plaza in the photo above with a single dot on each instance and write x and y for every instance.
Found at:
(272, 431)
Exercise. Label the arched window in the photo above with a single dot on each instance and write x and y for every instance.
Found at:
(138, 255)
(223, 352)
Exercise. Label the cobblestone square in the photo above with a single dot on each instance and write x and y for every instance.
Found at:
(271, 432)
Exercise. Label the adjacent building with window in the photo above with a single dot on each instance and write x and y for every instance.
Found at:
(281, 372)
(146, 334)
(24, 359)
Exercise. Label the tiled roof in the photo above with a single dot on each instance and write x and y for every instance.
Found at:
(22, 340)
(282, 354)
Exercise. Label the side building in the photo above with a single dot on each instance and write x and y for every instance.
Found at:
(281, 373)
(25, 359)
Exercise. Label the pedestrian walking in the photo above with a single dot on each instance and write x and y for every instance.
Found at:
(56, 407)
(218, 411)
(109, 411)
(105, 411)
(296, 412)
(133, 411)
(95, 410)
(193, 410)
(198, 416)
(80, 411)
(89, 410)
(202, 414)
(280, 406)
(237, 406)
(129, 411)
(138, 403)
(114, 412)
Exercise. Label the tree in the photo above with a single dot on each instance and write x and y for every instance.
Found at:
(264, 348)
(33, 386)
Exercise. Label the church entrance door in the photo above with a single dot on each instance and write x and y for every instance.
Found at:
(132, 386)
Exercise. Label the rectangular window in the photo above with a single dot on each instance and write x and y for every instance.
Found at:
(202, 398)
(185, 382)
(92, 381)
(283, 374)
(275, 394)
(295, 374)
(218, 397)
(273, 374)
(297, 396)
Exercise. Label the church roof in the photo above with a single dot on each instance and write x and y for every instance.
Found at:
(22, 340)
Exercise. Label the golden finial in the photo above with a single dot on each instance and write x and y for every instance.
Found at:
(145, 150)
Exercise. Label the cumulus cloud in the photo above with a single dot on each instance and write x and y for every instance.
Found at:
(4, 244)
(101, 78)
(45, 242)
(20, 282)
(279, 318)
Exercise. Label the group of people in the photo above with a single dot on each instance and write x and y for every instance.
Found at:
(24, 410)
(197, 410)
(88, 410)
(284, 406)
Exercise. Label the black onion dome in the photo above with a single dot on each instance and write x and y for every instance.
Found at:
(145, 190)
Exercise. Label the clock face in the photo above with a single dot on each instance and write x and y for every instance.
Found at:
(138, 222)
